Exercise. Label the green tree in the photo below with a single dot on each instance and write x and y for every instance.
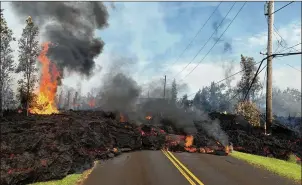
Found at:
(6, 61)
(174, 91)
(28, 52)
(248, 65)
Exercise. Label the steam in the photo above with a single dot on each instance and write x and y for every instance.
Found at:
(70, 26)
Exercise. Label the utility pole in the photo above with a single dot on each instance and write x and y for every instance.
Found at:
(165, 87)
(269, 93)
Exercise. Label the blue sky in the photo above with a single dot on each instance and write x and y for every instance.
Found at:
(153, 34)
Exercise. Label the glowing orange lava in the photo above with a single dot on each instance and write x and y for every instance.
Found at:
(45, 103)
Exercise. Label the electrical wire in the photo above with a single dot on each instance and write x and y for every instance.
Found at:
(282, 7)
(195, 35)
(207, 40)
(215, 42)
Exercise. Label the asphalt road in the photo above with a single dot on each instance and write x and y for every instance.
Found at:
(162, 168)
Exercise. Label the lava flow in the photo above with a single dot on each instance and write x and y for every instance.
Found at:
(45, 102)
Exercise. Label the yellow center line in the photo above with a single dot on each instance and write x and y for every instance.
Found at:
(179, 169)
(186, 169)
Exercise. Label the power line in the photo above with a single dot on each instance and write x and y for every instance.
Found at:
(196, 35)
(215, 42)
(283, 7)
(232, 75)
(294, 68)
(274, 55)
(206, 41)
(291, 47)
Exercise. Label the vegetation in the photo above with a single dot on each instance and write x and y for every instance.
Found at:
(250, 112)
(283, 168)
(6, 64)
(68, 180)
(28, 52)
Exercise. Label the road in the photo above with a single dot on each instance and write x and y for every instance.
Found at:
(162, 168)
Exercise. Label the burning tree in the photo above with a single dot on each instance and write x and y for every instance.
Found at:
(6, 61)
(45, 102)
(29, 50)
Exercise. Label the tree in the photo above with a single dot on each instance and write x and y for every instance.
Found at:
(28, 52)
(250, 112)
(249, 69)
(174, 91)
(6, 62)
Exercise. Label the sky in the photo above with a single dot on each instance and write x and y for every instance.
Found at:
(148, 38)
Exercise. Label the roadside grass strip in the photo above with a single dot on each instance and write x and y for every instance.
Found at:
(68, 180)
(72, 179)
(286, 169)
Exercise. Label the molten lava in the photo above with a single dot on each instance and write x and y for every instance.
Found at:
(45, 102)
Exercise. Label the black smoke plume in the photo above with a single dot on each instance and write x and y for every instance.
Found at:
(70, 27)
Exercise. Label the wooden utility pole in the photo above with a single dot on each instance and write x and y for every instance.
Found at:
(269, 94)
(165, 87)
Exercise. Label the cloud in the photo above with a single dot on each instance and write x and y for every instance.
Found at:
(291, 33)
(211, 69)
(141, 32)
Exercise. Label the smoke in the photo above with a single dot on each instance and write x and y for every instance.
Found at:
(228, 69)
(218, 26)
(70, 27)
(119, 92)
(227, 48)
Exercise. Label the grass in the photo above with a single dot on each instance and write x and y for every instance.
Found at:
(73, 179)
(68, 180)
(287, 169)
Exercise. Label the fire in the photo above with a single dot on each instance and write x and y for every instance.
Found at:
(45, 103)
(148, 117)
(227, 149)
(189, 141)
(122, 118)
(91, 103)
(188, 144)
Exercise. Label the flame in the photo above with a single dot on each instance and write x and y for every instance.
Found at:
(148, 117)
(122, 118)
(188, 144)
(45, 103)
(91, 102)
(189, 141)
(227, 150)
